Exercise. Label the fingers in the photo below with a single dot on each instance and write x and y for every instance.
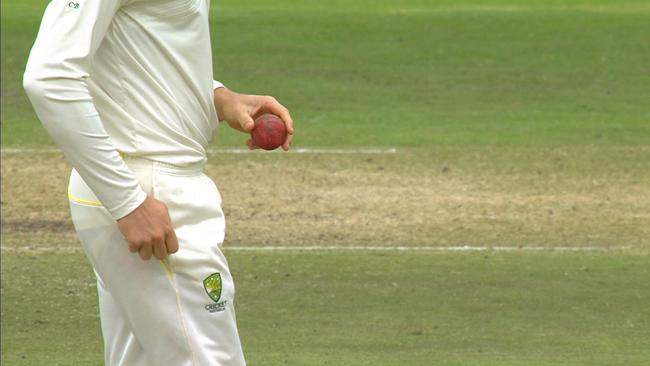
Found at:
(287, 143)
(251, 144)
(148, 230)
(160, 245)
(273, 106)
(145, 252)
(171, 242)
(160, 250)
(133, 248)
(157, 247)
(240, 110)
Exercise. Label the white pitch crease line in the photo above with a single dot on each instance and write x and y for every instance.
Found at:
(335, 248)
(216, 151)
(40, 249)
(463, 248)
(307, 150)
(11, 150)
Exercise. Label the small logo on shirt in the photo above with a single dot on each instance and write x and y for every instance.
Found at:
(73, 5)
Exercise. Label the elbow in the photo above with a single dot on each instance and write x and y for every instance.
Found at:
(38, 79)
(33, 86)
(45, 83)
(36, 88)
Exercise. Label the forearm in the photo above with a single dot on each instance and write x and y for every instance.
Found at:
(69, 116)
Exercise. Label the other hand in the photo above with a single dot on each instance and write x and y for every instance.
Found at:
(148, 230)
(240, 111)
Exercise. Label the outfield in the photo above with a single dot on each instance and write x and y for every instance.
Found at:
(501, 146)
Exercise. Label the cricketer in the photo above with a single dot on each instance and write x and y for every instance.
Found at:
(125, 88)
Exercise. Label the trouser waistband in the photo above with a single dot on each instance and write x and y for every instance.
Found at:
(135, 162)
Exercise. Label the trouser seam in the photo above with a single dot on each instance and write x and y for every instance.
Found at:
(172, 278)
(172, 281)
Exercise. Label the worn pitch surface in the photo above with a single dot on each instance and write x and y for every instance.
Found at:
(450, 196)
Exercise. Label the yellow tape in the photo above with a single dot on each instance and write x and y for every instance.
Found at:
(72, 198)
(165, 265)
(172, 281)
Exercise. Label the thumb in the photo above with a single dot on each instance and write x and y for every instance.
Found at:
(246, 122)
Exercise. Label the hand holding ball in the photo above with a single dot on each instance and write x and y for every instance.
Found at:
(269, 132)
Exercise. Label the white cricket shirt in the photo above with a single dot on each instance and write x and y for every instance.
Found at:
(131, 76)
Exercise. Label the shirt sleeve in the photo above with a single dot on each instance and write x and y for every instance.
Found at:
(55, 82)
(216, 85)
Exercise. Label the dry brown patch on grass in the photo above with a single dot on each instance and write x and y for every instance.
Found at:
(439, 196)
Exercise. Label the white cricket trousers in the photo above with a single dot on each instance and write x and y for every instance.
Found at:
(174, 312)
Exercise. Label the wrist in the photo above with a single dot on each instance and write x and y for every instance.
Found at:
(221, 97)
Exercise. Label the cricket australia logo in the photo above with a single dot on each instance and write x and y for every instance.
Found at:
(213, 286)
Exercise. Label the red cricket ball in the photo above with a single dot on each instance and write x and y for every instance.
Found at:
(269, 132)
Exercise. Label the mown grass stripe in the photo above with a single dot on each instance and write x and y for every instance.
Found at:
(361, 248)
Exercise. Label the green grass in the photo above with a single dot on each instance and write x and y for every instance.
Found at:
(413, 73)
(370, 309)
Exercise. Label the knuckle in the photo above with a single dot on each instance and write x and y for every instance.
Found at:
(140, 242)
